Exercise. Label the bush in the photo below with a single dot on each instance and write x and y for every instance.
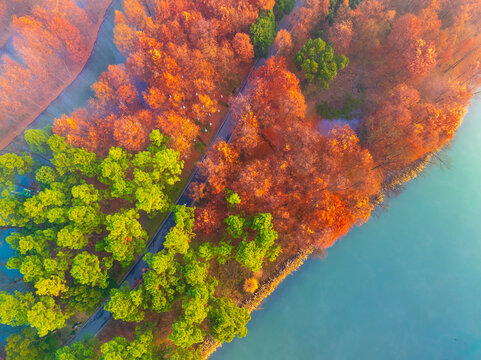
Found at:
(251, 285)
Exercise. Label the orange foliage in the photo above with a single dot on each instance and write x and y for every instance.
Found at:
(182, 58)
(419, 63)
(315, 186)
(283, 43)
(243, 47)
(251, 285)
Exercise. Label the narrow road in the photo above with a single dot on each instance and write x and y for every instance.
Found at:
(98, 320)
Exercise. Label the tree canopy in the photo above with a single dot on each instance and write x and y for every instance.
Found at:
(318, 62)
(263, 32)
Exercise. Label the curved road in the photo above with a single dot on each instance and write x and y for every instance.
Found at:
(98, 320)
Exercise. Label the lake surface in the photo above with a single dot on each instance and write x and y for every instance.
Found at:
(76, 95)
(406, 285)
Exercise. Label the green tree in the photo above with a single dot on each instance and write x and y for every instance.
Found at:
(235, 226)
(113, 170)
(85, 218)
(233, 199)
(154, 170)
(223, 252)
(37, 140)
(227, 320)
(46, 175)
(185, 354)
(69, 160)
(84, 298)
(27, 345)
(126, 235)
(318, 62)
(178, 239)
(45, 316)
(49, 205)
(86, 269)
(84, 350)
(283, 7)
(72, 238)
(14, 308)
(262, 32)
(185, 334)
(251, 254)
(11, 165)
(142, 347)
(52, 286)
(126, 304)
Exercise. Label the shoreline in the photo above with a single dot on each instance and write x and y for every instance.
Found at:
(23, 125)
(209, 346)
(292, 264)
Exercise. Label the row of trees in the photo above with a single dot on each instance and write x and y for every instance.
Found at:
(183, 60)
(180, 280)
(180, 275)
(50, 41)
(77, 223)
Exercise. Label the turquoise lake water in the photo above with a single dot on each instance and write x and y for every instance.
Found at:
(406, 285)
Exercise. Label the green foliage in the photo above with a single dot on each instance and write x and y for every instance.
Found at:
(72, 238)
(37, 139)
(185, 354)
(235, 226)
(71, 209)
(14, 308)
(263, 32)
(46, 175)
(178, 239)
(283, 7)
(85, 350)
(10, 166)
(84, 298)
(120, 348)
(318, 62)
(354, 3)
(126, 305)
(250, 254)
(223, 252)
(233, 199)
(113, 171)
(126, 235)
(86, 270)
(228, 320)
(45, 316)
(53, 286)
(27, 345)
(69, 160)
(185, 334)
(206, 251)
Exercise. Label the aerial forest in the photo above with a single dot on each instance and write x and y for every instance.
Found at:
(285, 123)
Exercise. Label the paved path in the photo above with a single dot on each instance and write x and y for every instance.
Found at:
(98, 320)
